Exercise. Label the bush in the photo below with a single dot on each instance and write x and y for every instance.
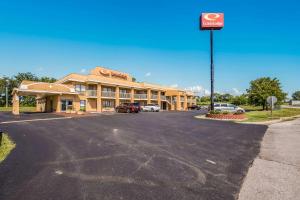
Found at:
(219, 112)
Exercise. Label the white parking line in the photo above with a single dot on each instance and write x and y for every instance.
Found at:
(34, 120)
(211, 162)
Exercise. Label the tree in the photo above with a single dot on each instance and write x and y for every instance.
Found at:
(47, 79)
(261, 88)
(296, 95)
(240, 100)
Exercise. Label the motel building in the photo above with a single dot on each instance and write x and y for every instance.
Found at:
(101, 90)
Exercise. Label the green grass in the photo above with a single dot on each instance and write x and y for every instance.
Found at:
(251, 108)
(22, 109)
(6, 146)
(259, 116)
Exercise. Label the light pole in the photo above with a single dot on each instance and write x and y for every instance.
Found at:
(6, 92)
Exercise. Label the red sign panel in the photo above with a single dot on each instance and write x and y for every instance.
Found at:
(212, 21)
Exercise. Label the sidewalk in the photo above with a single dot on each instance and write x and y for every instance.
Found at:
(275, 174)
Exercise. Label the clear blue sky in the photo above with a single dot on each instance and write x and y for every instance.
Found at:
(156, 40)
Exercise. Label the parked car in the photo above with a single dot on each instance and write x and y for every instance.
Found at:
(228, 107)
(128, 108)
(151, 108)
(194, 107)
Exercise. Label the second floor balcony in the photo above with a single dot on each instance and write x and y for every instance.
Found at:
(154, 96)
(163, 97)
(140, 96)
(124, 95)
(91, 93)
(108, 94)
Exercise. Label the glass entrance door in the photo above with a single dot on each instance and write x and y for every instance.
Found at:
(65, 104)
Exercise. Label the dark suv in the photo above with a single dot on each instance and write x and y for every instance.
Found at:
(128, 108)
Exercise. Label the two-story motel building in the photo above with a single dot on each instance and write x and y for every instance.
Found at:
(101, 90)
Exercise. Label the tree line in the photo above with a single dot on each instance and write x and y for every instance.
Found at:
(15, 81)
(257, 93)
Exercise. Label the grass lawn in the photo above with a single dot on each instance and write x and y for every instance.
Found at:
(22, 109)
(251, 108)
(258, 116)
(5, 147)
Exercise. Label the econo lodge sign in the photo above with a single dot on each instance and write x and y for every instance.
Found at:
(212, 21)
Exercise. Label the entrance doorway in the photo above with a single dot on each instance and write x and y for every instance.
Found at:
(66, 104)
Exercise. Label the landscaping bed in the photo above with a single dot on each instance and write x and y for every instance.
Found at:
(225, 116)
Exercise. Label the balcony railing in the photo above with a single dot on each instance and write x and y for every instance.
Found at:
(140, 96)
(182, 99)
(91, 93)
(163, 98)
(108, 94)
(154, 96)
(125, 95)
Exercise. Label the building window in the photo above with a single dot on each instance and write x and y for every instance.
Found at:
(108, 103)
(82, 105)
(79, 88)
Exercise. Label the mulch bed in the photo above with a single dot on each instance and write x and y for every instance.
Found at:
(226, 116)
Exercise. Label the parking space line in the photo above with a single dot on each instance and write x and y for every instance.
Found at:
(34, 120)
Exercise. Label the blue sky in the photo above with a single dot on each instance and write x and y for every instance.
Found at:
(156, 41)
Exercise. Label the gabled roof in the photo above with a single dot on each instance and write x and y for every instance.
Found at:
(41, 87)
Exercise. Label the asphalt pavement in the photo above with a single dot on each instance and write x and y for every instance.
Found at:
(165, 155)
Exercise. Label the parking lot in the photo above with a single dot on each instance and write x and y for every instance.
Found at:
(165, 155)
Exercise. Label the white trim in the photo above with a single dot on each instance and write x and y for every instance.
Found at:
(44, 91)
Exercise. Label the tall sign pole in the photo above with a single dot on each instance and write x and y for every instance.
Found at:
(211, 22)
(212, 70)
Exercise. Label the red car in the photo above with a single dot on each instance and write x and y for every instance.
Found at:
(128, 108)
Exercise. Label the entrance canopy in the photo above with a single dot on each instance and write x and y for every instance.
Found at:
(40, 90)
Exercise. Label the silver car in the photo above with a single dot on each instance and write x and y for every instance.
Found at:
(228, 107)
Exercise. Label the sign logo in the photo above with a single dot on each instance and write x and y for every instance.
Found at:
(212, 21)
(104, 72)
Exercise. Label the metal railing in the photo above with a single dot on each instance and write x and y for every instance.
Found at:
(125, 95)
(108, 94)
(163, 98)
(154, 96)
(182, 99)
(140, 96)
(91, 93)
